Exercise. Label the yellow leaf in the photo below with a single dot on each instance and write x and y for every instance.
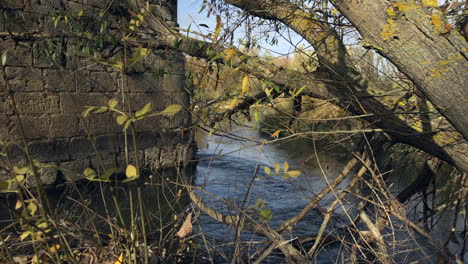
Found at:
(120, 259)
(276, 133)
(294, 173)
(171, 110)
(80, 13)
(32, 208)
(229, 54)
(186, 227)
(245, 84)
(131, 171)
(90, 173)
(143, 111)
(112, 103)
(334, 11)
(267, 170)
(19, 171)
(121, 119)
(285, 166)
(233, 103)
(25, 235)
(218, 28)
(431, 3)
(54, 249)
(18, 204)
(20, 178)
(277, 167)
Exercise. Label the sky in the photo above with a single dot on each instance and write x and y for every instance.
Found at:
(188, 14)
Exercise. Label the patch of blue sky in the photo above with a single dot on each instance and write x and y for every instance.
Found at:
(190, 17)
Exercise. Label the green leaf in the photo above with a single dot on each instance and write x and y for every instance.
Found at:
(87, 111)
(23, 170)
(4, 57)
(127, 124)
(259, 203)
(294, 173)
(112, 103)
(267, 170)
(121, 119)
(25, 235)
(143, 111)
(131, 171)
(32, 208)
(20, 178)
(171, 110)
(299, 91)
(4, 185)
(101, 110)
(90, 174)
(265, 215)
(109, 173)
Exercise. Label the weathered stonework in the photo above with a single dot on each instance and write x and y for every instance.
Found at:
(51, 92)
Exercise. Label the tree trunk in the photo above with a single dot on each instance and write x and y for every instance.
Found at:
(416, 39)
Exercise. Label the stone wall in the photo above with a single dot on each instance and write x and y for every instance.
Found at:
(51, 84)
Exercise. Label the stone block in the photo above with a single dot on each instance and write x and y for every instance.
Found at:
(107, 144)
(99, 124)
(185, 153)
(157, 100)
(39, 57)
(163, 12)
(143, 140)
(19, 55)
(108, 160)
(62, 81)
(173, 63)
(3, 104)
(37, 103)
(171, 138)
(62, 125)
(173, 83)
(150, 124)
(39, 6)
(16, 154)
(104, 82)
(168, 157)
(48, 175)
(12, 4)
(152, 159)
(82, 80)
(72, 170)
(81, 148)
(131, 158)
(71, 103)
(35, 127)
(144, 82)
(54, 150)
(25, 79)
(4, 121)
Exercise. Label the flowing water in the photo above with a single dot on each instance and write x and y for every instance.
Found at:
(225, 169)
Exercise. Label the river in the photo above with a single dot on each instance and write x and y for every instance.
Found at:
(225, 168)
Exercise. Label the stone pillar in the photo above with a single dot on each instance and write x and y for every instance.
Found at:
(51, 85)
